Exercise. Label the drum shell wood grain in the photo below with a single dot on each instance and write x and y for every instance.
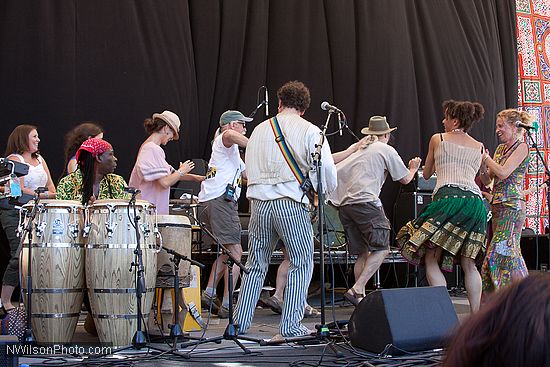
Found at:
(57, 269)
(111, 284)
(176, 235)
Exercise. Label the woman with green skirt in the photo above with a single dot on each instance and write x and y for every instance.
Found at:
(452, 227)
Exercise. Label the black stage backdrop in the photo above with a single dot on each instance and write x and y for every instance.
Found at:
(117, 62)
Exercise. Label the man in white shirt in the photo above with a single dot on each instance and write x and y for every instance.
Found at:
(219, 194)
(279, 207)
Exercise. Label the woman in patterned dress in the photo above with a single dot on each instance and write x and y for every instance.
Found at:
(504, 263)
(452, 227)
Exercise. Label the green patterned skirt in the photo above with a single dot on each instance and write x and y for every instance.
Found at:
(456, 221)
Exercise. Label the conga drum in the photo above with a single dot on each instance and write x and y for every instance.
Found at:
(175, 231)
(110, 276)
(57, 268)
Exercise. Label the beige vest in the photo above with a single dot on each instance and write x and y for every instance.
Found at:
(265, 163)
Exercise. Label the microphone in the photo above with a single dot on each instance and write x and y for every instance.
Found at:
(266, 103)
(535, 126)
(328, 107)
(131, 190)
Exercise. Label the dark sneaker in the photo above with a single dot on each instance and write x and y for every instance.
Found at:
(206, 300)
(223, 313)
(275, 304)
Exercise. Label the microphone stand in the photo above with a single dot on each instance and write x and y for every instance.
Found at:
(546, 172)
(175, 329)
(139, 340)
(231, 331)
(253, 113)
(28, 336)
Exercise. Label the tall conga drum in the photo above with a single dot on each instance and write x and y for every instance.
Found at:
(109, 256)
(175, 231)
(57, 268)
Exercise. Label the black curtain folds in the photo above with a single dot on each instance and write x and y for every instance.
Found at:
(118, 62)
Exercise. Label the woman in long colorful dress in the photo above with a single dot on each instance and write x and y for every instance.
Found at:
(452, 227)
(504, 263)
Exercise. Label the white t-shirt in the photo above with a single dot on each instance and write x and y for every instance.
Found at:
(225, 167)
(362, 174)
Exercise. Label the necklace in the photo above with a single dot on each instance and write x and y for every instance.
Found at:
(511, 147)
(457, 131)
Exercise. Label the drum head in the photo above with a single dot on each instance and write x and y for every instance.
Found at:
(56, 203)
(121, 202)
(177, 220)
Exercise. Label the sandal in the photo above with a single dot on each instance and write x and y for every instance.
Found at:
(275, 304)
(353, 297)
(310, 311)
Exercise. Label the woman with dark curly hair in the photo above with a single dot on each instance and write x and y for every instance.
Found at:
(453, 226)
(75, 138)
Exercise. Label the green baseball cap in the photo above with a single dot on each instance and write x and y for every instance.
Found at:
(230, 115)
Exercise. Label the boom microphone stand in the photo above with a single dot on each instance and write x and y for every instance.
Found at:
(175, 329)
(264, 102)
(231, 331)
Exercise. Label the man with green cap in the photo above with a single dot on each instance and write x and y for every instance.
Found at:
(219, 194)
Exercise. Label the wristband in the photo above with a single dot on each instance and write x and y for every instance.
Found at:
(180, 173)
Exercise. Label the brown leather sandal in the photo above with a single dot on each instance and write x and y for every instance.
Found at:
(354, 298)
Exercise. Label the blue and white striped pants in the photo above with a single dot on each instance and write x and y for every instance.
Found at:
(270, 221)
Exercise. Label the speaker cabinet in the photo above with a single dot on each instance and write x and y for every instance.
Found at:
(408, 206)
(409, 319)
(535, 251)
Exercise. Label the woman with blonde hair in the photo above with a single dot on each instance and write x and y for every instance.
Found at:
(506, 170)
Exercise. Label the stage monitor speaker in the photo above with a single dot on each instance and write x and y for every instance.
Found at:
(408, 206)
(407, 319)
(536, 257)
(8, 353)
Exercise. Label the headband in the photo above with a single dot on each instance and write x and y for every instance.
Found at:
(95, 146)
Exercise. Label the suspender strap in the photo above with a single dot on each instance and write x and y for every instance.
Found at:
(287, 154)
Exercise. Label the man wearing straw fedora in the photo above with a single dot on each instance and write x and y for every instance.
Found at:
(360, 179)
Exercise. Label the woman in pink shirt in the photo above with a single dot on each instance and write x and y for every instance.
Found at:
(152, 174)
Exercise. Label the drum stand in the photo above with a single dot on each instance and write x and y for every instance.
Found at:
(231, 331)
(28, 337)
